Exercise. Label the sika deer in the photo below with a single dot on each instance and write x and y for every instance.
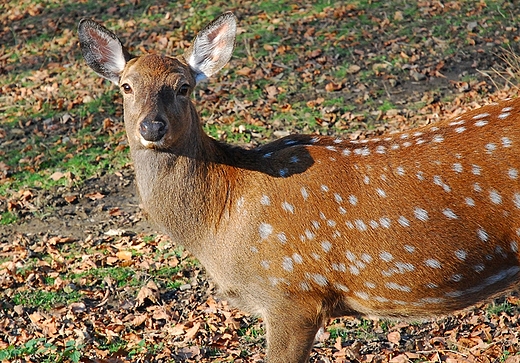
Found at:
(306, 228)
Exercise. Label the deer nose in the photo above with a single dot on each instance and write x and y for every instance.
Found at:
(152, 130)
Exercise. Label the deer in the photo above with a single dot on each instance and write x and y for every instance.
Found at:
(418, 223)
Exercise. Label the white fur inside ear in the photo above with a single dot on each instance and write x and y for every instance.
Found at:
(112, 55)
(212, 48)
(200, 61)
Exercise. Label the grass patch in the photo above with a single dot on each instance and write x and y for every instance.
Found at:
(45, 299)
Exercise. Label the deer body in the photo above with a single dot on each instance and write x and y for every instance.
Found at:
(306, 228)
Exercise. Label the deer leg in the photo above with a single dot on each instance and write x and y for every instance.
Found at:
(290, 336)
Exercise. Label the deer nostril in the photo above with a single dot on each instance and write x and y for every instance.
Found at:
(152, 131)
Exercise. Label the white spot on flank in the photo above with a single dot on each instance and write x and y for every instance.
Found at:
(460, 129)
(341, 287)
(475, 169)
(326, 246)
(433, 263)
(480, 115)
(370, 285)
(366, 257)
(338, 198)
(431, 285)
(265, 264)
(482, 235)
(304, 286)
(297, 258)
(289, 208)
(282, 238)
(457, 167)
(516, 200)
(479, 268)
(399, 171)
(490, 147)
(381, 192)
(360, 225)
(420, 175)
(394, 286)
(409, 249)
(386, 256)
(506, 142)
(339, 267)
(456, 278)
(373, 224)
(514, 246)
(438, 138)
(495, 197)
(265, 230)
(283, 172)
(457, 123)
(287, 264)
(265, 200)
(309, 234)
(477, 187)
(469, 201)
(403, 221)
(254, 249)
(353, 199)
(512, 173)
(366, 180)
(325, 188)
(449, 214)
(316, 224)
(331, 223)
(503, 115)
(342, 210)
(304, 192)
(354, 270)
(346, 152)
(363, 151)
(481, 123)
(461, 254)
(421, 214)
(361, 295)
(319, 279)
(380, 149)
(403, 267)
(294, 159)
(330, 147)
(350, 256)
(385, 222)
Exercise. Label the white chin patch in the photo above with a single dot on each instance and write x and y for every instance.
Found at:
(151, 144)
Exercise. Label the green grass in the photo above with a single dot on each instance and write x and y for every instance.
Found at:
(44, 351)
(45, 299)
(497, 309)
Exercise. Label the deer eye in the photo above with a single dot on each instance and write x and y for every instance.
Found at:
(126, 88)
(183, 90)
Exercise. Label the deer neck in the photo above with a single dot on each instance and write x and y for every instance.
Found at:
(186, 193)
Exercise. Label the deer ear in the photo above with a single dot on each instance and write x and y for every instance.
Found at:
(102, 50)
(213, 46)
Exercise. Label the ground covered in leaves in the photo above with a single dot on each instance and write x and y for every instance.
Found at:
(82, 275)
